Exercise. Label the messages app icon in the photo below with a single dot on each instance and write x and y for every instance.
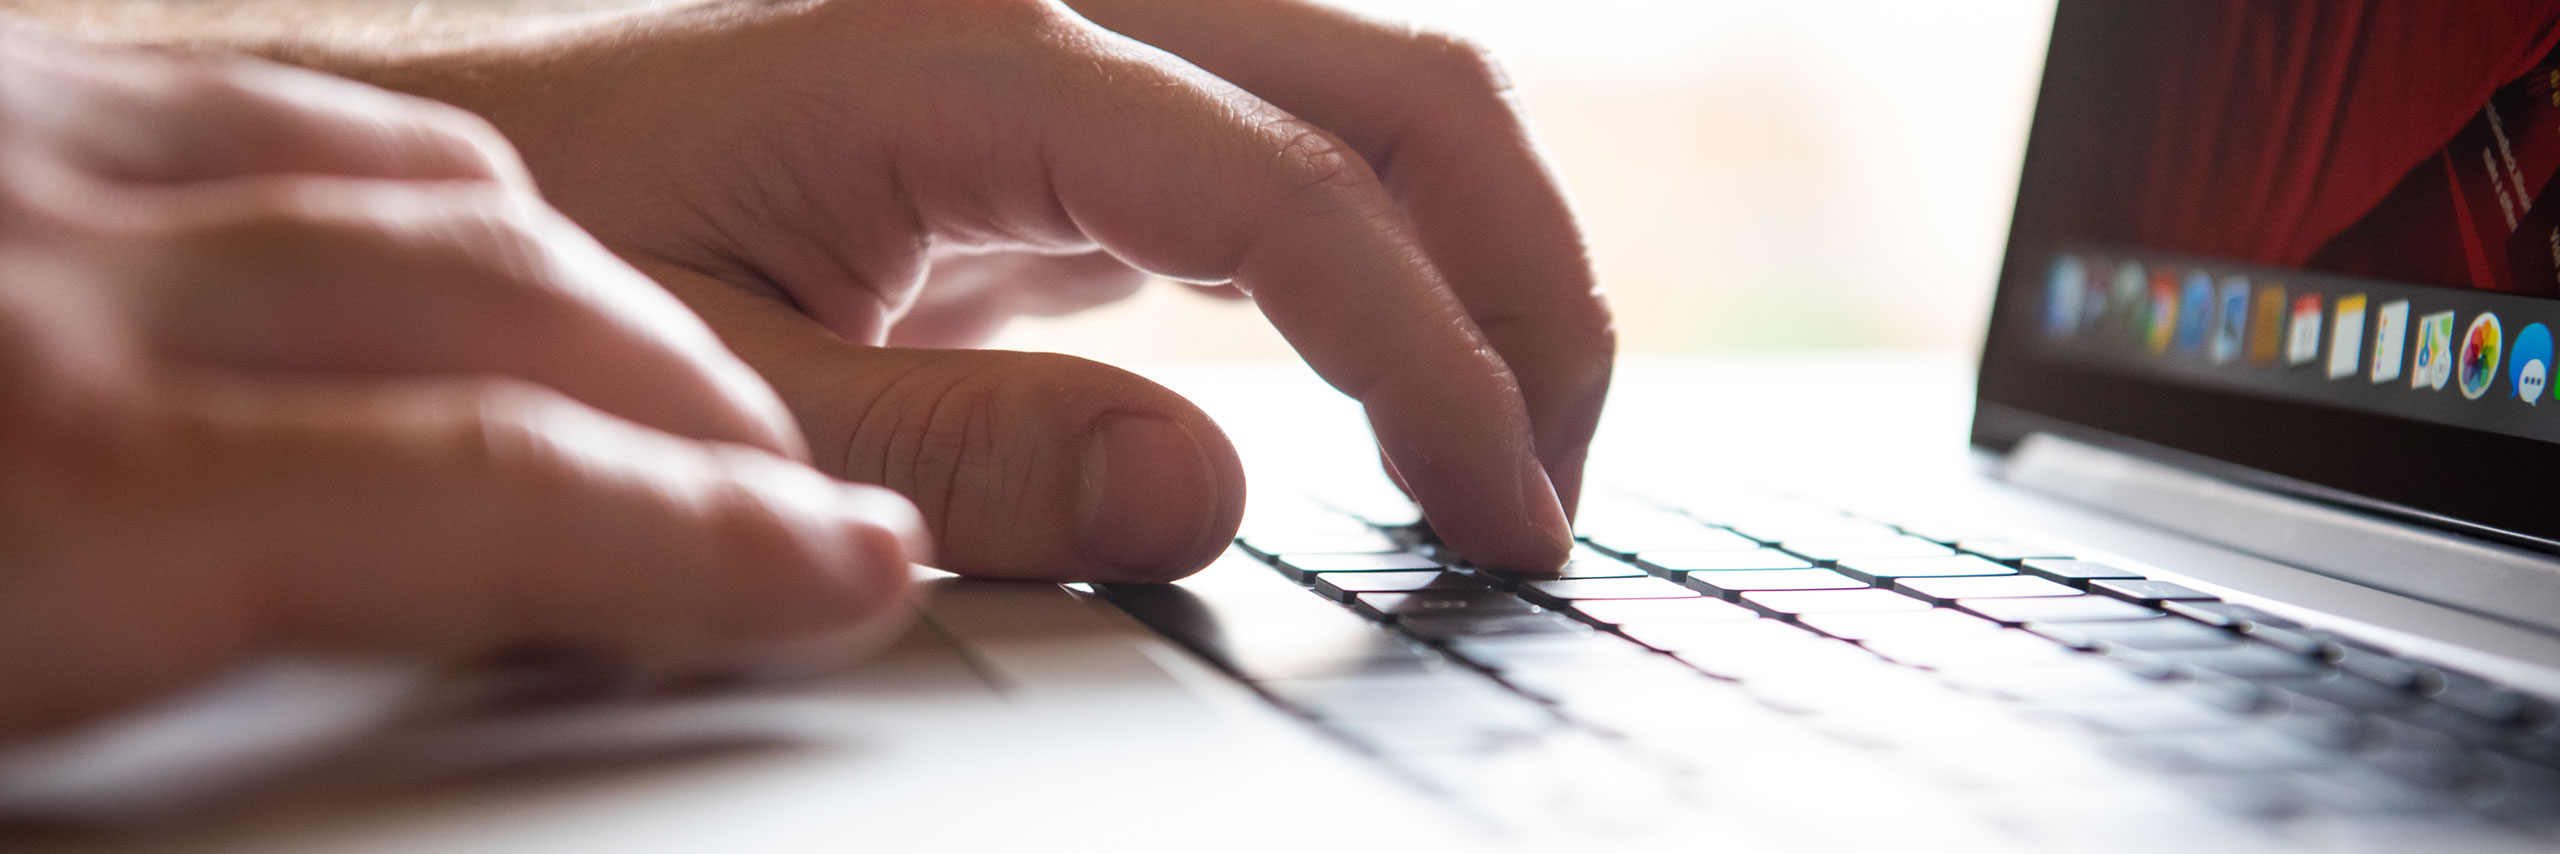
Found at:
(2433, 365)
(2530, 364)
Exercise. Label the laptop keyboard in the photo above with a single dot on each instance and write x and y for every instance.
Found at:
(1975, 663)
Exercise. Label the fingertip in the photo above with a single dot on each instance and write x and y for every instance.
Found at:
(888, 540)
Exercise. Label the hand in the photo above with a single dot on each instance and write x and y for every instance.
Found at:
(799, 172)
(289, 361)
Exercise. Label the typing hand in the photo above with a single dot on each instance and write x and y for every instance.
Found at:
(822, 179)
(287, 361)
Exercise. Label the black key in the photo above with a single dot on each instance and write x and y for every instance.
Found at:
(2146, 592)
(2463, 726)
(1272, 546)
(1551, 650)
(2147, 635)
(1728, 584)
(1886, 569)
(2475, 695)
(1860, 601)
(1341, 586)
(1439, 603)
(2071, 609)
(2288, 640)
(2416, 754)
(2226, 614)
(1678, 564)
(1695, 610)
(2518, 792)
(1438, 629)
(1890, 546)
(1299, 567)
(2077, 573)
(1945, 591)
(2378, 666)
(2346, 690)
(1265, 633)
(2315, 720)
(1864, 625)
(2247, 661)
(1573, 589)
(2012, 551)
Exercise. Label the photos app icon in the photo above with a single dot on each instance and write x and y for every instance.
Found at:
(2477, 368)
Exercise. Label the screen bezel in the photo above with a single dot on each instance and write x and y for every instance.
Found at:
(2474, 482)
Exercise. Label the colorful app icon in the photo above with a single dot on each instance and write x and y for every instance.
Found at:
(2346, 337)
(2231, 322)
(2162, 321)
(2266, 324)
(2195, 313)
(2390, 339)
(2477, 369)
(2063, 291)
(2302, 338)
(2432, 366)
(2127, 304)
(2531, 362)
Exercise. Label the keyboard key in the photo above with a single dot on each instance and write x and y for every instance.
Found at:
(1866, 625)
(1502, 654)
(2012, 551)
(2048, 684)
(2345, 690)
(1728, 584)
(2247, 661)
(1437, 629)
(1809, 526)
(1945, 590)
(1341, 586)
(1678, 535)
(2151, 712)
(1249, 622)
(1590, 563)
(1892, 546)
(1677, 564)
(1957, 651)
(1886, 569)
(2077, 573)
(1364, 541)
(2475, 695)
(2288, 640)
(2148, 635)
(2146, 592)
(1454, 697)
(1575, 589)
(2371, 664)
(2058, 609)
(1433, 603)
(1695, 610)
(2229, 615)
(1865, 600)
(2417, 754)
(1299, 567)
(1680, 637)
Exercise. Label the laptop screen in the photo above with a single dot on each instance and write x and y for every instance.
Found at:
(2318, 239)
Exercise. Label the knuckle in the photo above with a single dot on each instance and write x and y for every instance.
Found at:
(1456, 64)
(1314, 161)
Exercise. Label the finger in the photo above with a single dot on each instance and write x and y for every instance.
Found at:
(162, 117)
(343, 277)
(449, 518)
(1025, 465)
(1181, 174)
(1438, 119)
(967, 298)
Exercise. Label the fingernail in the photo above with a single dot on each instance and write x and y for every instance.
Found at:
(1147, 493)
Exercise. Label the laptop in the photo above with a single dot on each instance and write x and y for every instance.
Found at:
(2237, 537)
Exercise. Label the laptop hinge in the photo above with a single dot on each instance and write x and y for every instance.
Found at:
(2488, 579)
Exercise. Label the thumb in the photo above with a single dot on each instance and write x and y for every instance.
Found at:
(1025, 465)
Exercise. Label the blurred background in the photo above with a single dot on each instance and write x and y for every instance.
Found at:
(1751, 175)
